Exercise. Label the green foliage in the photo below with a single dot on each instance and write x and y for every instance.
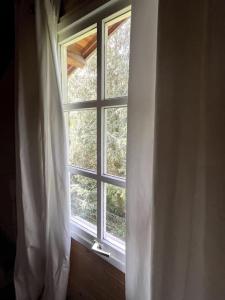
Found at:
(84, 198)
(82, 84)
(116, 140)
(117, 61)
(115, 211)
(82, 138)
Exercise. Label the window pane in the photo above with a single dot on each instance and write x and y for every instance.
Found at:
(82, 138)
(115, 211)
(117, 51)
(83, 198)
(82, 68)
(115, 141)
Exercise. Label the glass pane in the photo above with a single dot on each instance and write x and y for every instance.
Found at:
(117, 51)
(83, 193)
(115, 211)
(82, 138)
(115, 141)
(82, 68)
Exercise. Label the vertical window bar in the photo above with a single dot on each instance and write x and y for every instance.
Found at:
(64, 74)
(100, 85)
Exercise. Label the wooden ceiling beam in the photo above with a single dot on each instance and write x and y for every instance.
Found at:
(76, 56)
(75, 60)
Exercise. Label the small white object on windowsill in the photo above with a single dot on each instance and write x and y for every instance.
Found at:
(98, 249)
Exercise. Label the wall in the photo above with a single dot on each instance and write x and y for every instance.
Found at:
(80, 6)
(7, 155)
(7, 152)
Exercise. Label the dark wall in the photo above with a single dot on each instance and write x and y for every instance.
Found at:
(7, 35)
(81, 7)
(7, 120)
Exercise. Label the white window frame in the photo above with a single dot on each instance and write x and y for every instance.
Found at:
(68, 29)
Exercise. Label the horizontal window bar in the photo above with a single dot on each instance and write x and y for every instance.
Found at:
(93, 104)
(114, 102)
(118, 181)
(79, 105)
(115, 241)
(88, 227)
(83, 172)
(117, 257)
(73, 22)
(114, 180)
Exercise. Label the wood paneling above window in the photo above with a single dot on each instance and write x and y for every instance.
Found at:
(79, 51)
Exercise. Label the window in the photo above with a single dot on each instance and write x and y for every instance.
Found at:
(95, 70)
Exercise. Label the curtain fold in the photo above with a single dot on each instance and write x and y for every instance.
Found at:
(43, 238)
(175, 205)
(141, 126)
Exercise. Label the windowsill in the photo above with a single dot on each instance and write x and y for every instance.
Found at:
(117, 254)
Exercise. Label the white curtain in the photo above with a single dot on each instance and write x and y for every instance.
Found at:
(141, 110)
(176, 147)
(43, 241)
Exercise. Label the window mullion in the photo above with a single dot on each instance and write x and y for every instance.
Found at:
(84, 172)
(80, 105)
(100, 90)
(122, 101)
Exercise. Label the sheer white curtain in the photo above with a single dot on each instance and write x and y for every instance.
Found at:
(43, 242)
(175, 205)
(141, 110)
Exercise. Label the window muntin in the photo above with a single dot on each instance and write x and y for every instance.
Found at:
(100, 170)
